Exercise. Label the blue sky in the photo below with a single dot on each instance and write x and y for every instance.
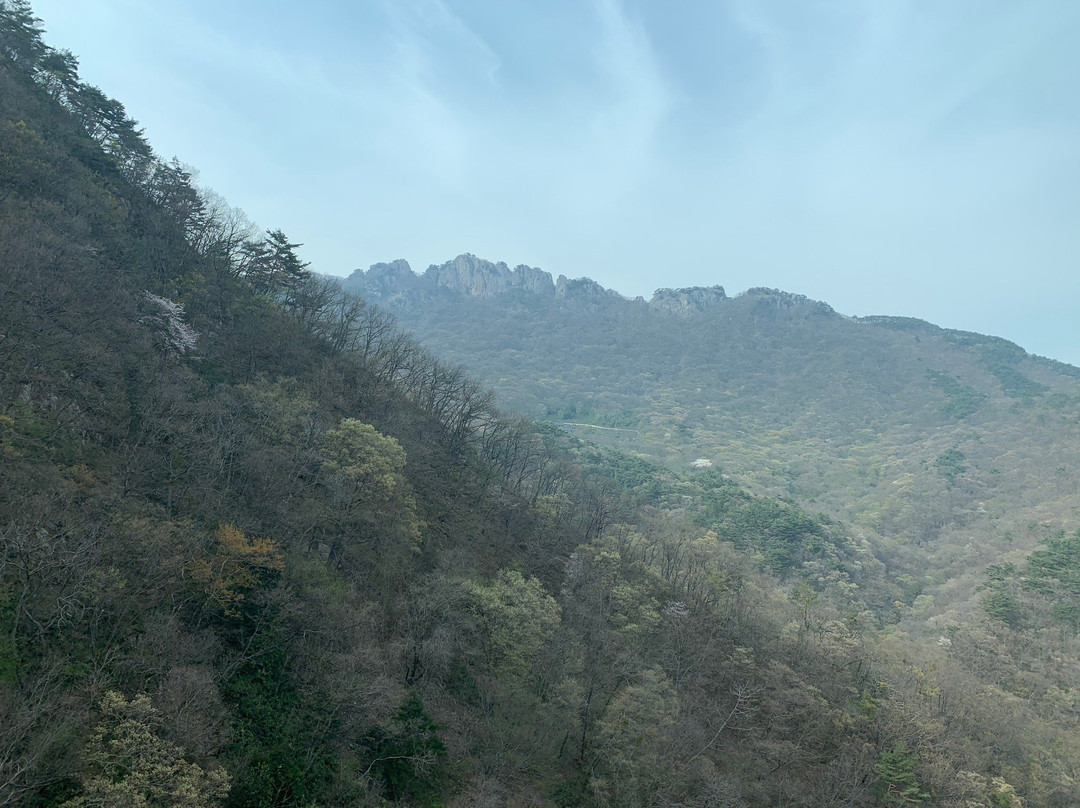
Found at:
(918, 158)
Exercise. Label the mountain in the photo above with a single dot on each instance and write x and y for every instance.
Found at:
(473, 277)
(906, 429)
(260, 547)
(954, 455)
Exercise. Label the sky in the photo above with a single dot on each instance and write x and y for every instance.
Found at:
(907, 157)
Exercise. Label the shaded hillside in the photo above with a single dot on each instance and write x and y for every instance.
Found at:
(911, 431)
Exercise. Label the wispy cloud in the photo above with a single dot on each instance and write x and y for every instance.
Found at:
(636, 96)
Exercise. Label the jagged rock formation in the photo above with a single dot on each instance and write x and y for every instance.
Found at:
(585, 290)
(476, 277)
(388, 281)
(685, 301)
(472, 277)
(764, 300)
(395, 285)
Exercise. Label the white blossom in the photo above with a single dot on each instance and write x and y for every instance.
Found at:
(179, 337)
(676, 608)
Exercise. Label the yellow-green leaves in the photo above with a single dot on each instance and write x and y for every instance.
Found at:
(364, 456)
(129, 766)
(516, 617)
(365, 471)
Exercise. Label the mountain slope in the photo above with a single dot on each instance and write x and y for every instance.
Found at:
(258, 547)
(910, 431)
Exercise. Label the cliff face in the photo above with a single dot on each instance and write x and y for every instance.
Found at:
(386, 282)
(467, 277)
(765, 302)
(585, 290)
(471, 277)
(475, 277)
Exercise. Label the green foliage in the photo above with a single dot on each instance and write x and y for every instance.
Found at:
(632, 739)
(366, 471)
(516, 616)
(1014, 383)
(373, 462)
(128, 764)
(1002, 605)
(1047, 586)
(782, 535)
(898, 781)
(1003, 795)
(277, 746)
(637, 474)
(1001, 358)
(410, 758)
(1056, 567)
(961, 400)
(950, 464)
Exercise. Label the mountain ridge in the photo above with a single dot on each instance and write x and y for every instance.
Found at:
(396, 283)
(473, 277)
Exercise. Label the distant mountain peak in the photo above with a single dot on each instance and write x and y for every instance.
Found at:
(782, 301)
(585, 290)
(470, 277)
(476, 277)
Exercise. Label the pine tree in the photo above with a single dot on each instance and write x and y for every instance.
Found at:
(898, 782)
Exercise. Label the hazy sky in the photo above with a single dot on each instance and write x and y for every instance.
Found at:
(919, 158)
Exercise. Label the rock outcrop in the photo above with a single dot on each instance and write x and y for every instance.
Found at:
(765, 301)
(384, 282)
(467, 276)
(687, 301)
(585, 290)
(475, 277)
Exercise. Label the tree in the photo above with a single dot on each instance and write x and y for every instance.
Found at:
(409, 757)
(238, 566)
(365, 471)
(273, 266)
(128, 765)
(898, 782)
(634, 743)
(516, 615)
(287, 266)
(20, 32)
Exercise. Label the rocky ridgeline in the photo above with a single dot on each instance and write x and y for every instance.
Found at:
(469, 276)
(685, 301)
(472, 277)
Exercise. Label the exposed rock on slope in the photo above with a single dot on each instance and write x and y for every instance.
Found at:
(472, 277)
(684, 301)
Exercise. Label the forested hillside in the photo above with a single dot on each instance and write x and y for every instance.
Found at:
(958, 444)
(261, 548)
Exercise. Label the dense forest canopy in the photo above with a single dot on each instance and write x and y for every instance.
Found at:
(260, 547)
